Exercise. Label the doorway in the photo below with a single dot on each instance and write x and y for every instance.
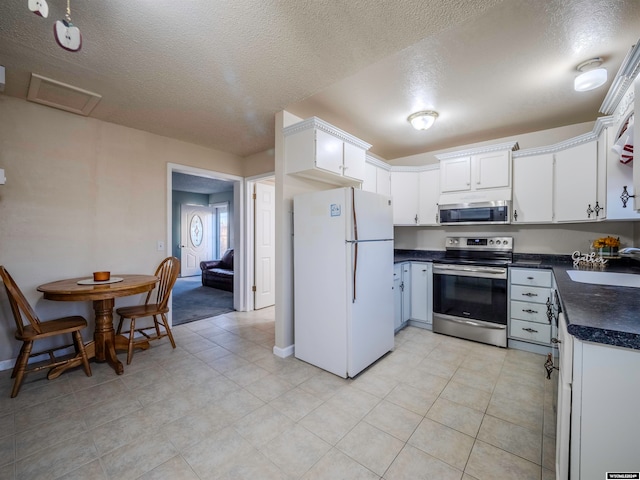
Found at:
(261, 241)
(204, 219)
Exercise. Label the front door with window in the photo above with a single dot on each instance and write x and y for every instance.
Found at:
(196, 238)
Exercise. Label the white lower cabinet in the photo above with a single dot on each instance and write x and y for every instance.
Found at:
(531, 305)
(563, 407)
(604, 410)
(401, 294)
(421, 293)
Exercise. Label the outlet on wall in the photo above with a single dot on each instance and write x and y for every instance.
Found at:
(160, 245)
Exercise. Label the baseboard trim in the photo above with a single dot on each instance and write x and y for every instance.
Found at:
(283, 352)
(8, 364)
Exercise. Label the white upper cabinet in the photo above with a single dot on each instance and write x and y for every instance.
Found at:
(369, 183)
(576, 184)
(476, 172)
(383, 182)
(636, 135)
(455, 175)
(492, 170)
(315, 149)
(415, 192)
(405, 194)
(478, 175)
(377, 177)
(619, 175)
(533, 189)
(428, 197)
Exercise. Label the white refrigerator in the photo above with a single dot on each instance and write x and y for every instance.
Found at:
(343, 279)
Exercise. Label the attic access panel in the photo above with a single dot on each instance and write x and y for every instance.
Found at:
(62, 96)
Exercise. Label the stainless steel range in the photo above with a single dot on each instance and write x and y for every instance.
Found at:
(470, 289)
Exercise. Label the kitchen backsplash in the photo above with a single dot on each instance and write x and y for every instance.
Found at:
(545, 239)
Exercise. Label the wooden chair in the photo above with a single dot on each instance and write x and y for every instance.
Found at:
(37, 330)
(167, 273)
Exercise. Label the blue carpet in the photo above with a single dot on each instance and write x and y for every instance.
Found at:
(192, 301)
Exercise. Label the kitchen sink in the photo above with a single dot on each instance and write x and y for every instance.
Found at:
(605, 278)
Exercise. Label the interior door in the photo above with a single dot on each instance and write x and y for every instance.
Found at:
(265, 250)
(196, 238)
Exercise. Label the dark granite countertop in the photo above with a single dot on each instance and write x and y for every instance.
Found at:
(596, 313)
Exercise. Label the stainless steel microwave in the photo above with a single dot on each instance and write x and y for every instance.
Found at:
(495, 212)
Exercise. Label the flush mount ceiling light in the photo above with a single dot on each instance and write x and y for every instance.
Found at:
(591, 76)
(422, 120)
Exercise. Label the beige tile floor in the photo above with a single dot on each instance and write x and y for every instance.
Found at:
(223, 406)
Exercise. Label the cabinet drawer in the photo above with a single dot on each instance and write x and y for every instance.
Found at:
(532, 312)
(532, 332)
(529, 294)
(528, 276)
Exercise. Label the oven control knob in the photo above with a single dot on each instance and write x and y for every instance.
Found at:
(505, 242)
(490, 242)
(498, 242)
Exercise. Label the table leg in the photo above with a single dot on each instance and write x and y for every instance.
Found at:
(104, 335)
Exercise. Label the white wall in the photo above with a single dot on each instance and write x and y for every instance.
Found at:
(287, 186)
(82, 195)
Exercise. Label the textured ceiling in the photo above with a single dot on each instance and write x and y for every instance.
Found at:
(214, 73)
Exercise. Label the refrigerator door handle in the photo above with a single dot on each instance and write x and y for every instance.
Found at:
(355, 273)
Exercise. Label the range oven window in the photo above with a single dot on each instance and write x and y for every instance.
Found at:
(474, 298)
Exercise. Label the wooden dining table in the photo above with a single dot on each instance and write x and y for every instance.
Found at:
(105, 341)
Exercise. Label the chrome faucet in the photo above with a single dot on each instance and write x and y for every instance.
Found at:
(629, 252)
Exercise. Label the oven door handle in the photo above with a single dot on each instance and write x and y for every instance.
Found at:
(488, 325)
(470, 271)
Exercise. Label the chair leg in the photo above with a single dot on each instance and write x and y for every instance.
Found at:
(131, 335)
(83, 353)
(21, 365)
(156, 324)
(168, 330)
(15, 367)
(119, 329)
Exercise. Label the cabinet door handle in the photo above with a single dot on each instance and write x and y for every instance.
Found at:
(515, 215)
(528, 310)
(589, 211)
(416, 218)
(597, 209)
(529, 278)
(529, 294)
(530, 330)
(555, 340)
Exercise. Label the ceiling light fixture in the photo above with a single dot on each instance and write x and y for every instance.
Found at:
(591, 77)
(422, 120)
